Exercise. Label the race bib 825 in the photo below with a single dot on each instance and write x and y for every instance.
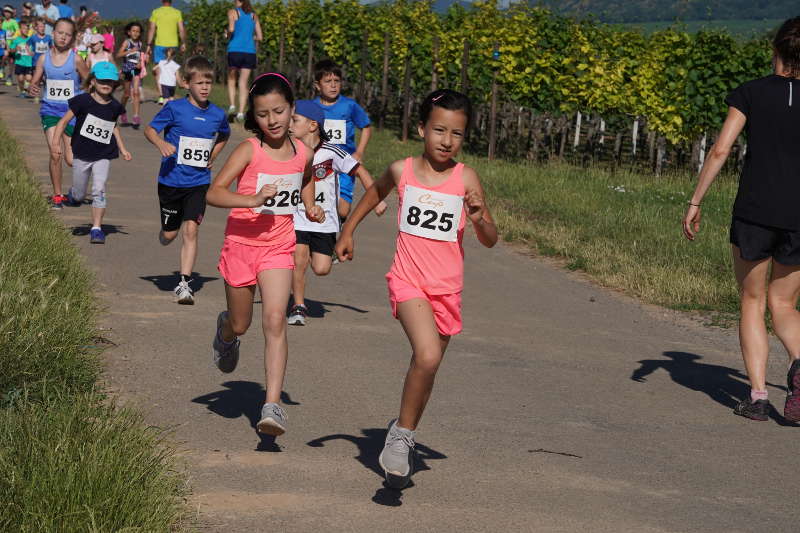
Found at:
(431, 214)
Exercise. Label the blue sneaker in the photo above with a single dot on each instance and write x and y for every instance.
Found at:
(70, 201)
(96, 236)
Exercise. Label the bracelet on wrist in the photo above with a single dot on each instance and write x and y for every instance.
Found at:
(693, 205)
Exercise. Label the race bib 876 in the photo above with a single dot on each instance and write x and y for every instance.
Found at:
(60, 90)
(431, 214)
(287, 198)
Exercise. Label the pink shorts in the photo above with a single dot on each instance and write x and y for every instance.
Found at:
(446, 307)
(240, 264)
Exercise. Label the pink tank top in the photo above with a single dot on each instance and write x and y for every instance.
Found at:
(247, 226)
(430, 254)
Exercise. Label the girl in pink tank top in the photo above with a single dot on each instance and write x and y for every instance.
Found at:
(273, 175)
(437, 197)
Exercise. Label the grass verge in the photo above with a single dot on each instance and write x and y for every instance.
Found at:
(621, 228)
(69, 460)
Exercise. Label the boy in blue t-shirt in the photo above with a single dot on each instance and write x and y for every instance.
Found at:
(39, 42)
(342, 116)
(195, 131)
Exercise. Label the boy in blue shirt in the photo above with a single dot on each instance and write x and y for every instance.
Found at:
(195, 131)
(342, 116)
(39, 42)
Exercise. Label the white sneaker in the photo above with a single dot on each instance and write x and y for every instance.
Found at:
(183, 293)
(273, 420)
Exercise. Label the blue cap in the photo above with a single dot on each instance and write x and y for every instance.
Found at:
(312, 111)
(105, 70)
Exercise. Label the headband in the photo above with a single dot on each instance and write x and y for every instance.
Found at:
(281, 76)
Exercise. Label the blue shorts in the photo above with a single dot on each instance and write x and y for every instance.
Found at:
(160, 53)
(346, 182)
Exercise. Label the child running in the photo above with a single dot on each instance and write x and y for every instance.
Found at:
(315, 240)
(195, 132)
(167, 72)
(436, 195)
(39, 42)
(62, 69)
(96, 51)
(98, 141)
(23, 60)
(272, 174)
(131, 53)
(342, 116)
(765, 230)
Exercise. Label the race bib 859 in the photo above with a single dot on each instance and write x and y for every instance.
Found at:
(194, 151)
(431, 214)
(287, 198)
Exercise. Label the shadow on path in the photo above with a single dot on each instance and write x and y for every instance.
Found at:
(724, 385)
(369, 447)
(109, 229)
(317, 309)
(167, 282)
(243, 398)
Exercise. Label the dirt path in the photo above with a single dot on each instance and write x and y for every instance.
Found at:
(536, 424)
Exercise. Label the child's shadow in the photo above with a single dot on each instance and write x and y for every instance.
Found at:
(167, 282)
(109, 229)
(317, 309)
(369, 447)
(243, 398)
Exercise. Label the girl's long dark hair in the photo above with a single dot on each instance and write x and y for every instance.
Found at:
(787, 45)
(272, 82)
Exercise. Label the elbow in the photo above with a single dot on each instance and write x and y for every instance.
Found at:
(720, 152)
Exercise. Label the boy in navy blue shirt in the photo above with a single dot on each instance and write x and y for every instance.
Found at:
(195, 131)
(342, 116)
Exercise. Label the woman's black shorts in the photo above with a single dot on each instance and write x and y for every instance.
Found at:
(241, 60)
(757, 242)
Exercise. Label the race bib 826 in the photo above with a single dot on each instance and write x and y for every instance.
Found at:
(287, 198)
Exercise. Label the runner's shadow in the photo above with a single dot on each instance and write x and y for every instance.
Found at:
(108, 229)
(168, 282)
(317, 309)
(243, 398)
(369, 447)
(724, 385)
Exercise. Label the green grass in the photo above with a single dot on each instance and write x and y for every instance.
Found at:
(69, 461)
(622, 229)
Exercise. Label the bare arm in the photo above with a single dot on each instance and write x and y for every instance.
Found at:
(219, 144)
(314, 212)
(151, 34)
(366, 133)
(259, 34)
(126, 155)
(220, 195)
(81, 67)
(231, 21)
(38, 74)
(477, 210)
(182, 33)
(734, 123)
(366, 180)
(121, 51)
(374, 195)
(163, 146)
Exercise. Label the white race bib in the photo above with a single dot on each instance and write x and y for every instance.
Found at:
(324, 197)
(431, 214)
(287, 198)
(59, 90)
(336, 130)
(97, 129)
(194, 151)
(42, 47)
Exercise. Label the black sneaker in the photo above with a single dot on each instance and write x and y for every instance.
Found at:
(754, 410)
(791, 409)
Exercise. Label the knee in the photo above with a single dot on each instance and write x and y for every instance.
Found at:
(779, 304)
(427, 361)
(321, 270)
(274, 322)
(166, 237)
(190, 232)
(239, 327)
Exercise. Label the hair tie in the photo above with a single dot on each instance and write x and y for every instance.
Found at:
(281, 76)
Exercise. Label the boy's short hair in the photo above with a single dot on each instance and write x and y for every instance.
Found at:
(197, 65)
(325, 67)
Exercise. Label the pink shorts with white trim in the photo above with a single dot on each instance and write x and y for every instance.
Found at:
(240, 264)
(446, 307)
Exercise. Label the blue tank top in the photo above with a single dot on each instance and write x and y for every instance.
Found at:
(58, 108)
(243, 39)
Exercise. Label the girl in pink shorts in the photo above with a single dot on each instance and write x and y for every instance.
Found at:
(272, 174)
(437, 196)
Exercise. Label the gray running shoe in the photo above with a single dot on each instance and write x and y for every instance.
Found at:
(397, 457)
(273, 420)
(297, 317)
(226, 354)
(183, 293)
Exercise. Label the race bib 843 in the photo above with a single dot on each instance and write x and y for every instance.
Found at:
(431, 214)
(336, 130)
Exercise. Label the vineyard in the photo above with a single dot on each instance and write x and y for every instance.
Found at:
(546, 86)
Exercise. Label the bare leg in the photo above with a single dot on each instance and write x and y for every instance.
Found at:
(240, 311)
(751, 277)
(55, 162)
(784, 289)
(244, 85)
(67, 145)
(274, 285)
(97, 216)
(301, 252)
(321, 264)
(137, 103)
(232, 86)
(428, 347)
(126, 93)
(189, 229)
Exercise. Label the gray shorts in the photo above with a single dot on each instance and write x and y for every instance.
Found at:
(98, 170)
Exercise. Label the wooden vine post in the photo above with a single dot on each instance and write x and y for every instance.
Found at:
(464, 64)
(362, 79)
(406, 96)
(384, 81)
(493, 110)
(310, 68)
(281, 49)
(434, 69)
(216, 58)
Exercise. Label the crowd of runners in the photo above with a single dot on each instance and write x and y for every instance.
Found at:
(289, 190)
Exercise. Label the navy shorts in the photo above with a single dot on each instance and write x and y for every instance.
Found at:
(757, 242)
(128, 75)
(167, 91)
(319, 243)
(241, 60)
(19, 70)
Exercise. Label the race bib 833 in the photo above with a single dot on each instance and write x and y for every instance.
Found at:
(97, 129)
(431, 214)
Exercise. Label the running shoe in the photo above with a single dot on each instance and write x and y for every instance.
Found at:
(57, 201)
(397, 457)
(226, 354)
(123, 121)
(754, 410)
(231, 109)
(273, 420)
(297, 317)
(96, 236)
(791, 410)
(8, 83)
(240, 118)
(183, 293)
(161, 100)
(70, 201)
(136, 122)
